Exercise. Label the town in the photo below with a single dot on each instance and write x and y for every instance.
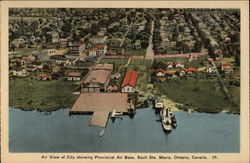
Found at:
(121, 59)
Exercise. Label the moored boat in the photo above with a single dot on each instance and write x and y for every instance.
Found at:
(166, 120)
(173, 120)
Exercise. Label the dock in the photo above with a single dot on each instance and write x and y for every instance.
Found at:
(101, 105)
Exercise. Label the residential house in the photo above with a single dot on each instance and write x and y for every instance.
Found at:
(101, 49)
(160, 72)
(55, 37)
(182, 72)
(170, 72)
(192, 57)
(179, 64)
(191, 71)
(129, 82)
(44, 76)
(59, 59)
(19, 71)
(55, 69)
(170, 65)
(209, 70)
(31, 68)
(74, 76)
(51, 52)
(92, 52)
(226, 68)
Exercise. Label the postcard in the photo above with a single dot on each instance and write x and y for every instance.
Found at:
(124, 81)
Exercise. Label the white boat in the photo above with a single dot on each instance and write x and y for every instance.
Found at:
(166, 119)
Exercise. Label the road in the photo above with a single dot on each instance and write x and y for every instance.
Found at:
(150, 51)
(220, 80)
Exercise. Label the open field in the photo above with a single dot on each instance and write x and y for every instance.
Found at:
(135, 52)
(201, 95)
(30, 94)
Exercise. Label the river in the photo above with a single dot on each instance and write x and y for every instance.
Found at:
(33, 131)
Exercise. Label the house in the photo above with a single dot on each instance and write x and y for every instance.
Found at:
(92, 52)
(182, 72)
(191, 71)
(55, 69)
(130, 81)
(76, 48)
(101, 49)
(170, 65)
(98, 39)
(31, 68)
(226, 68)
(112, 88)
(161, 79)
(44, 76)
(74, 76)
(111, 52)
(192, 57)
(179, 64)
(19, 71)
(160, 72)
(209, 70)
(51, 52)
(59, 59)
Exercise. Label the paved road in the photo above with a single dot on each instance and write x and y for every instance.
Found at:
(150, 51)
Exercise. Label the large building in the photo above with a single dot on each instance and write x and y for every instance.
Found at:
(129, 82)
(76, 48)
(98, 79)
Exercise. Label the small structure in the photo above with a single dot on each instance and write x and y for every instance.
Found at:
(160, 72)
(31, 68)
(182, 72)
(19, 71)
(55, 69)
(191, 71)
(192, 57)
(59, 59)
(226, 68)
(44, 76)
(74, 76)
(51, 52)
(209, 70)
(179, 64)
(170, 72)
(170, 65)
(129, 82)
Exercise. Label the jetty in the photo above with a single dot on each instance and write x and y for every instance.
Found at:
(100, 105)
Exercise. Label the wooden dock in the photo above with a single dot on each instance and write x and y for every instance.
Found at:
(100, 104)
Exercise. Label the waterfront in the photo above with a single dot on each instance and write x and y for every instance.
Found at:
(33, 131)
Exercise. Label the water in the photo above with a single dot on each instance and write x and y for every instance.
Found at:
(32, 131)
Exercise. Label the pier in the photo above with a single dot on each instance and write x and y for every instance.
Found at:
(101, 105)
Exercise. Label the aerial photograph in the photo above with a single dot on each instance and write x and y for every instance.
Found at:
(140, 80)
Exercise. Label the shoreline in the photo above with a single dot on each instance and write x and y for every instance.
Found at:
(175, 109)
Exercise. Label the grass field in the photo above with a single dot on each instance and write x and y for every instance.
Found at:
(30, 94)
(135, 52)
(203, 96)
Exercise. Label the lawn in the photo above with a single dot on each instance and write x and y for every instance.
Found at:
(204, 96)
(134, 52)
(31, 94)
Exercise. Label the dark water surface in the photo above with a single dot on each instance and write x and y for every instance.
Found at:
(33, 131)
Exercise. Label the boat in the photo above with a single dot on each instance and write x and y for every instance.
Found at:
(159, 104)
(173, 120)
(166, 120)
